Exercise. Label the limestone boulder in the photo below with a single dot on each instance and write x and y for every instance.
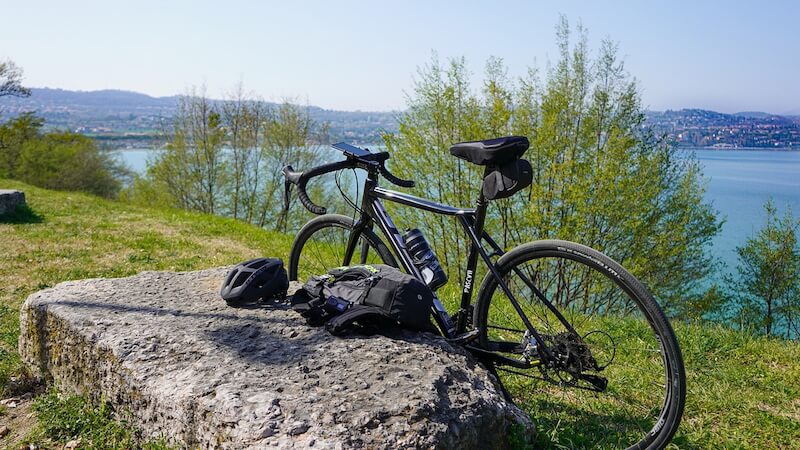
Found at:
(9, 200)
(170, 356)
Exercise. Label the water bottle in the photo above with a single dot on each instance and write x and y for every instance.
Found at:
(432, 273)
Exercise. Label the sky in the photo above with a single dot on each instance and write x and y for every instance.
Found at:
(363, 55)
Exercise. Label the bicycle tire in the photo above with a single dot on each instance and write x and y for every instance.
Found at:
(579, 411)
(320, 260)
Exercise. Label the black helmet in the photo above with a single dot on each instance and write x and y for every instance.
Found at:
(254, 280)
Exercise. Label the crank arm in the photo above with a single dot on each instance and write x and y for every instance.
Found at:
(465, 338)
(496, 358)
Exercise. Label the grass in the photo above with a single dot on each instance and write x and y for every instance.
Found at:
(65, 418)
(743, 392)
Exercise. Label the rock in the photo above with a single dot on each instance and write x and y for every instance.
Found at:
(10, 402)
(4, 430)
(72, 445)
(165, 348)
(9, 200)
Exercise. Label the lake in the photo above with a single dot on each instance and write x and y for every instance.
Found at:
(136, 159)
(739, 182)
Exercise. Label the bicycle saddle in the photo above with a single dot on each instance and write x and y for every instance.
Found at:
(491, 152)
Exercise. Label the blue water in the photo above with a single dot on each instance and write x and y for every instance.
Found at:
(136, 159)
(739, 182)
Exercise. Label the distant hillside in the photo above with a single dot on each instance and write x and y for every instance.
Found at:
(703, 128)
(109, 98)
(132, 119)
(754, 114)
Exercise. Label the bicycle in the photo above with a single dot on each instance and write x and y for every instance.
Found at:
(568, 333)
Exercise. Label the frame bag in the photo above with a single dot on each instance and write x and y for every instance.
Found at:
(365, 298)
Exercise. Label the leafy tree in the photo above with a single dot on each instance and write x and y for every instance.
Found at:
(765, 292)
(290, 139)
(600, 177)
(244, 120)
(192, 169)
(13, 134)
(16, 131)
(69, 161)
(11, 80)
(707, 306)
(57, 160)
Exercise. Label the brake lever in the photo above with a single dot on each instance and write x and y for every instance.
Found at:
(287, 189)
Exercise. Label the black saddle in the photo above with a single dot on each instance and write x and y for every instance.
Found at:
(491, 152)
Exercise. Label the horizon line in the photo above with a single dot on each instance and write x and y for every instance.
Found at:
(789, 114)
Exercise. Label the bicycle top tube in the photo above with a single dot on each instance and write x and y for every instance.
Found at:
(421, 203)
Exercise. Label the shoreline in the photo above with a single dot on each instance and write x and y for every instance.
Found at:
(744, 149)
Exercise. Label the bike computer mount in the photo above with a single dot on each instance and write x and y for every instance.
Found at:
(352, 150)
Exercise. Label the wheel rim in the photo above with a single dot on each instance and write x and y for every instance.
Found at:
(325, 249)
(619, 336)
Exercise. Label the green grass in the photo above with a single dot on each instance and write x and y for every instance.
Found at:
(65, 418)
(743, 392)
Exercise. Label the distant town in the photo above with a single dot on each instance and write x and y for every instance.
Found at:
(702, 128)
(122, 119)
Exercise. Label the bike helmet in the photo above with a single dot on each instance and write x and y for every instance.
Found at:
(255, 280)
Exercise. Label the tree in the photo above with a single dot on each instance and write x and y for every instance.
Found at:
(57, 160)
(766, 291)
(600, 176)
(289, 141)
(192, 169)
(11, 80)
(245, 122)
(69, 161)
(13, 134)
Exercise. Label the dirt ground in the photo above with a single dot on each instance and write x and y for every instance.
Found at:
(17, 420)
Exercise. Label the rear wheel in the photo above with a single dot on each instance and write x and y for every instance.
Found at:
(321, 243)
(617, 378)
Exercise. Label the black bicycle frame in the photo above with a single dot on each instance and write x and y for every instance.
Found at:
(472, 220)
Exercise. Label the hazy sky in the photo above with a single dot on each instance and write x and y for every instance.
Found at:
(727, 56)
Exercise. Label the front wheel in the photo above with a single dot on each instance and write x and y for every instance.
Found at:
(615, 377)
(321, 243)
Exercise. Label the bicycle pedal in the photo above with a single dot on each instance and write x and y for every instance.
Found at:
(465, 338)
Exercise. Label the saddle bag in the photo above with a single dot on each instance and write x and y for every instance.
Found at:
(507, 179)
(365, 298)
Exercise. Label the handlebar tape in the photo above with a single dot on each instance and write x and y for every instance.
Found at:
(393, 179)
(309, 205)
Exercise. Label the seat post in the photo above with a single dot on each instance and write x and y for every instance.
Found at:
(481, 205)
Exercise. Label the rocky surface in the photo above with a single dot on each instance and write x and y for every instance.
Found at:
(167, 353)
(9, 199)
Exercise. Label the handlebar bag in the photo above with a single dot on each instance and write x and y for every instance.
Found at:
(365, 298)
(505, 180)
